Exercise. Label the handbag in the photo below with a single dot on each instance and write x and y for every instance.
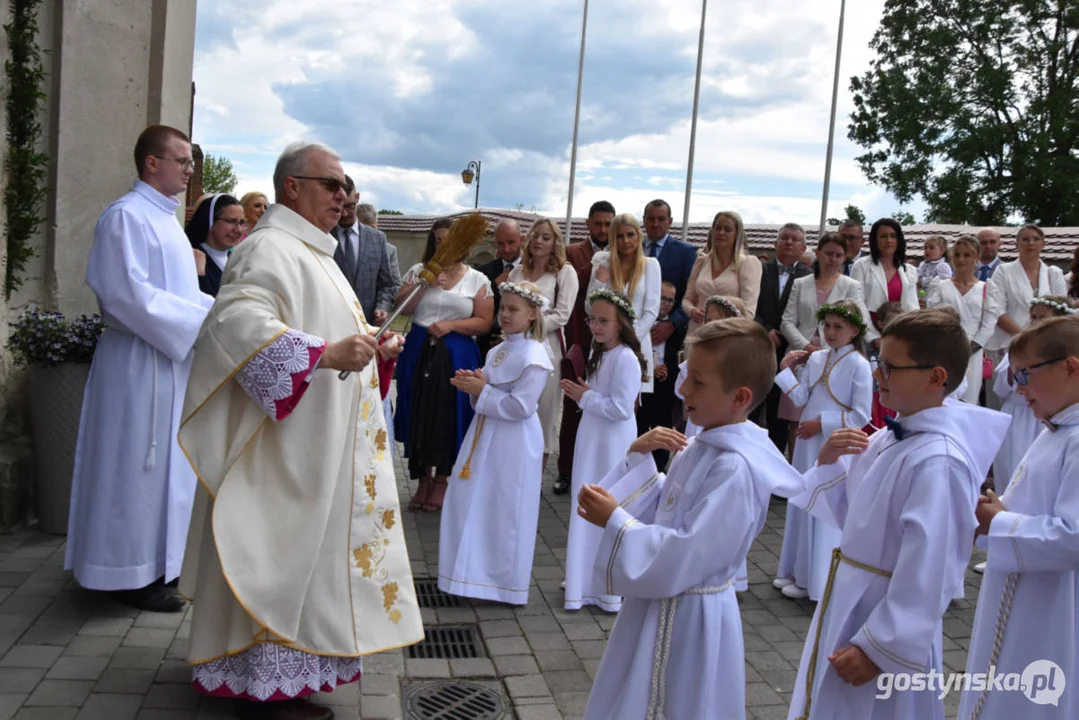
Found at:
(987, 364)
(572, 365)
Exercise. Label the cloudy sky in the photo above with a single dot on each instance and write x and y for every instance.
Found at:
(409, 91)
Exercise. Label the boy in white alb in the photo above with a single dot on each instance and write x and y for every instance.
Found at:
(906, 506)
(1027, 608)
(676, 650)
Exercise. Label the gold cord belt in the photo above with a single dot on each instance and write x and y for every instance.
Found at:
(811, 670)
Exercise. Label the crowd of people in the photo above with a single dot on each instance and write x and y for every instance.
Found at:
(898, 408)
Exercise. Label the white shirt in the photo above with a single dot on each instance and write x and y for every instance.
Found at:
(454, 304)
(220, 257)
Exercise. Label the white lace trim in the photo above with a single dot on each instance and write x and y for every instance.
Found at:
(267, 377)
(267, 668)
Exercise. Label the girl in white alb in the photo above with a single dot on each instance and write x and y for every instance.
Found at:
(1024, 427)
(491, 510)
(835, 388)
(608, 427)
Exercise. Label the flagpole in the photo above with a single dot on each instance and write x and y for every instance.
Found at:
(576, 125)
(831, 122)
(693, 122)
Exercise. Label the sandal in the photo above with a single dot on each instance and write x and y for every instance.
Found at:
(433, 503)
(419, 500)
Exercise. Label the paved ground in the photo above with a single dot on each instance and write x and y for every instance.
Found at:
(66, 653)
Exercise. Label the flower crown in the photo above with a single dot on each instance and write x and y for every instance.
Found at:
(615, 298)
(852, 316)
(1054, 305)
(533, 299)
(725, 303)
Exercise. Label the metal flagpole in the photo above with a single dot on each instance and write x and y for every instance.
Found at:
(576, 124)
(831, 123)
(693, 122)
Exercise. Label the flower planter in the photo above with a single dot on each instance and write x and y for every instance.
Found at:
(55, 406)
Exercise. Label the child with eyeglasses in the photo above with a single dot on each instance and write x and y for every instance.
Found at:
(1025, 426)
(1026, 617)
(905, 500)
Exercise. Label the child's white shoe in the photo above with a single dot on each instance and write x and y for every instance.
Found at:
(794, 592)
(781, 582)
(979, 567)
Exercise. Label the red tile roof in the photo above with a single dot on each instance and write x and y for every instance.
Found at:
(1060, 243)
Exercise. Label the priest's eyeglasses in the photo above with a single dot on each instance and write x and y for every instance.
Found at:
(332, 184)
(184, 163)
(1022, 376)
(886, 368)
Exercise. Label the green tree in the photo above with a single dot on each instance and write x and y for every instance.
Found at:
(972, 105)
(904, 218)
(853, 212)
(390, 212)
(218, 175)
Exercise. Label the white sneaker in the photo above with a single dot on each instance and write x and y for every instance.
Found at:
(781, 582)
(979, 567)
(794, 592)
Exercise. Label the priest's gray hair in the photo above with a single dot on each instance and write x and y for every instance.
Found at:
(293, 162)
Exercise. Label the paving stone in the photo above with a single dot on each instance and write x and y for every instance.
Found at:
(163, 714)
(104, 706)
(46, 713)
(137, 658)
(549, 660)
(568, 681)
(125, 680)
(78, 668)
(584, 631)
(500, 628)
(539, 712)
(112, 626)
(571, 704)
(164, 621)
(762, 694)
(10, 704)
(392, 662)
(507, 646)
(171, 696)
(92, 646)
(63, 693)
(539, 624)
(589, 649)
(149, 638)
(379, 684)
(173, 671)
(380, 707)
(427, 668)
(508, 665)
(36, 656)
(527, 686)
(20, 680)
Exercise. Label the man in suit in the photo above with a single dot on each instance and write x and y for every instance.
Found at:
(777, 277)
(579, 255)
(851, 232)
(507, 256)
(676, 259)
(363, 257)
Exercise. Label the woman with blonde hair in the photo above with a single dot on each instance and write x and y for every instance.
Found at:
(624, 268)
(254, 205)
(543, 263)
(725, 268)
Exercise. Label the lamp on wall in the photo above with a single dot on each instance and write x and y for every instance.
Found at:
(472, 171)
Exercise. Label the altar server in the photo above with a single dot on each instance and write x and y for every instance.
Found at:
(133, 489)
(906, 505)
(491, 512)
(1029, 598)
(676, 650)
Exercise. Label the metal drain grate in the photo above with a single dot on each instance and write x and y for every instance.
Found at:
(452, 700)
(447, 643)
(429, 596)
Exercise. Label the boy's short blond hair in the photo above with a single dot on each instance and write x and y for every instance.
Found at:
(1055, 337)
(934, 337)
(745, 356)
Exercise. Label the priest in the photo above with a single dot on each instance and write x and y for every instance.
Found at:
(296, 559)
(132, 488)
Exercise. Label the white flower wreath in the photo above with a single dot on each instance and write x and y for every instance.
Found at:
(1054, 305)
(614, 298)
(533, 299)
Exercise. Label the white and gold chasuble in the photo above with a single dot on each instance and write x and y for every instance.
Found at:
(295, 536)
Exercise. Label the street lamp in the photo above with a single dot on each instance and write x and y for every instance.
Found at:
(470, 172)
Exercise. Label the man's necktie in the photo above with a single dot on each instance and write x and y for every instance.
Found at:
(983, 273)
(896, 427)
(350, 251)
(653, 249)
(784, 277)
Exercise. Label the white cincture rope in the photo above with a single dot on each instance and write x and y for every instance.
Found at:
(151, 459)
(661, 653)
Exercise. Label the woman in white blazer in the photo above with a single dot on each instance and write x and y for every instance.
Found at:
(799, 325)
(884, 273)
(1014, 284)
